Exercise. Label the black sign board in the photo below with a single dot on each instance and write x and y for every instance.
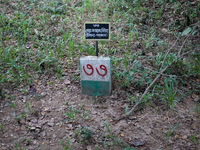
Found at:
(97, 31)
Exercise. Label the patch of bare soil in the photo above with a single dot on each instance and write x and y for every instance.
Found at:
(39, 121)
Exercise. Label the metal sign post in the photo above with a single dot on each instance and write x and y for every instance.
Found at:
(97, 48)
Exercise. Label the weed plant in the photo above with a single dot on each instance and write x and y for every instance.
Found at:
(170, 131)
(113, 137)
(73, 113)
(194, 139)
(1, 126)
(65, 147)
(44, 37)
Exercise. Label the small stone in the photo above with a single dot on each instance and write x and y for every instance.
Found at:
(34, 142)
(89, 147)
(184, 137)
(67, 82)
(43, 94)
(70, 125)
(51, 122)
(38, 126)
(189, 144)
(8, 118)
(71, 133)
(132, 118)
(170, 141)
(54, 136)
(72, 140)
(150, 125)
(24, 98)
(138, 143)
(147, 130)
(34, 120)
(117, 132)
(43, 133)
(32, 128)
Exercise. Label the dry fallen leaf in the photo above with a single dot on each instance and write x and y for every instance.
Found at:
(91, 120)
(176, 136)
(17, 129)
(36, 31)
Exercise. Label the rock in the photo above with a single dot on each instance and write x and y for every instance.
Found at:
(70, 125)
(43, 133)
(67, 82)
(8, 118)
(89, 147)
(51, 122)
(38, 126)
(147, 130)
(43, 94)
(72, 140)
(32, 128)
(136, 144)
(170, 141)
(41, 122)
(34, 120)
(184, 137)
(132, 117)
(150, 125)
(24, 98)
(189, 144)
(54, 136)
(71, 133)
(117, 132)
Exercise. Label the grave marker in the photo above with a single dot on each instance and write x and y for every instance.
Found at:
(96, 71)
(95, 75)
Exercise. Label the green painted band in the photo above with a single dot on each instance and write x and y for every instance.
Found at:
(100, 88)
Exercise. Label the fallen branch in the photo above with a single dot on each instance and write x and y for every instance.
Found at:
(160, 73)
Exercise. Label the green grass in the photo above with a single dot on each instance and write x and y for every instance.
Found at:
(1, 126)
(43, 38)
(73, 113)
(171, 131)
(65, 146)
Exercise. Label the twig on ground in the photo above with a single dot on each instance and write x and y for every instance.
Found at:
(168, 52)
(160, 73)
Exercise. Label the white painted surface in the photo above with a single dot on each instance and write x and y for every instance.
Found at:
(95, 62)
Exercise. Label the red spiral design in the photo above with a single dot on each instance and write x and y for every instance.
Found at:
(103, 68)
(89, 67)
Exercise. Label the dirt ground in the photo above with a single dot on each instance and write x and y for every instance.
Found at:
(46, 121)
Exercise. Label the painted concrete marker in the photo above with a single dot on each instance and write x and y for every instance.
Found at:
(97, 31)
(96, 71)
(95, 75)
